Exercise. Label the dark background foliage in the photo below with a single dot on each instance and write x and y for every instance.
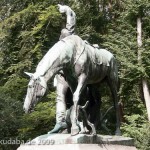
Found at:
(27, 31)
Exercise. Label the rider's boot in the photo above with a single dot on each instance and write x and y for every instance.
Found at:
(59, 127)
(61, 89)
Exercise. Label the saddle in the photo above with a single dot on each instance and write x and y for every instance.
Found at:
(99, 56)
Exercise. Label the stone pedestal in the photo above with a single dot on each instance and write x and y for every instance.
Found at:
(78, 142)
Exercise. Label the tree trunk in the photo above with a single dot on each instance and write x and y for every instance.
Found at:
(146, 96)
(139, 39)
(144, 80)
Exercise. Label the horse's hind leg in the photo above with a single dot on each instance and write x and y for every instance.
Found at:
(113, 83)
(94, 104)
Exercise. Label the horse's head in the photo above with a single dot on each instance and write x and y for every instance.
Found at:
(36, 89)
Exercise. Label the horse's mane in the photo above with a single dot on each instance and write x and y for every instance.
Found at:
(48, 59)
(54, 53)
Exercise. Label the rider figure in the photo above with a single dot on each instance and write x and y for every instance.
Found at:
(62, 86)
(71, 21)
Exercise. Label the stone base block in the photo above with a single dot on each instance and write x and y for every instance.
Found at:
(78, 142)
(76, 147)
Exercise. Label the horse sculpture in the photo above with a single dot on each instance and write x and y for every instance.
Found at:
(82, 65)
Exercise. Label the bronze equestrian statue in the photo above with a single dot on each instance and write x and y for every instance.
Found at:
(82, 65)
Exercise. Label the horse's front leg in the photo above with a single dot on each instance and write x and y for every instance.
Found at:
(74, 113)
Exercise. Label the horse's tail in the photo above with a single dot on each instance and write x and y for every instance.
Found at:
(114, 70)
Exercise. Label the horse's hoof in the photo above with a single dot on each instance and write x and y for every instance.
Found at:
(75, 131)
(82, 132)
(118, 133)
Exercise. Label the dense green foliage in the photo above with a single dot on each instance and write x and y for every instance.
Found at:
(29, 28)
